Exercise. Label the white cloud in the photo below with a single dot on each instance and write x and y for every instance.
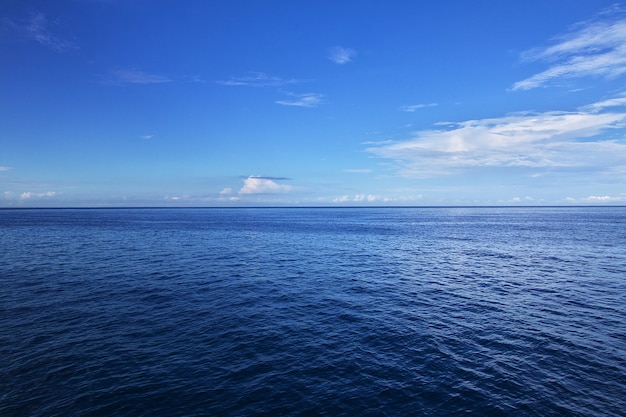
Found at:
(342, 199)
(27, 194)
(4, 169)
(369, 197)
(258, 79)
(601, 105)
(302, 100)
(134, 76)
(549, 139)
(594, 48)
(147, 137)
(262, 185)
(340, 55)
(602, 199)
(182, 197)
(518, 200)
(413, 107)
(360, 198)
(226, 191)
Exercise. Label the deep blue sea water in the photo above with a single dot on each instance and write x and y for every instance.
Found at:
(306, 312)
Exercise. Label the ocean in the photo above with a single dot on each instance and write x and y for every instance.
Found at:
(313, 312)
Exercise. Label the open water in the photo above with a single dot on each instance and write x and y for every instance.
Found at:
(306, 312)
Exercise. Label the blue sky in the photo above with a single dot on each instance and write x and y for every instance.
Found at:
(240, 103)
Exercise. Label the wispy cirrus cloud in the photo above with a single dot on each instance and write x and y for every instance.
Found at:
(340, 55)
(40, 29)
(258, 79)
(4, 169)
(414, 107)
(302, 100)
(261, 79)
(263, 185)
(135, 76)
(358, 170)
(556, 140)
(593, 48)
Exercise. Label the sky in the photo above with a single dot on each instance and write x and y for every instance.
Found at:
(167, 103)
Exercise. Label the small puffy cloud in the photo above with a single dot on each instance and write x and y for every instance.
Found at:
(263, 185)
(594, 48)
(182, 197)
(413, 107)
(134, 76)
(342, 199)
(226, 191)
(518, 200)
(302, 100)
(340, 55)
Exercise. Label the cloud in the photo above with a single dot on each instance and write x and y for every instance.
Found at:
(27, 195)
(411, 108)
(38, 28)
(226, 191)
(594, 48)
(263, 185)
(258, 79)
(340, 55)
(602, 199)
(134, 76)
(532, 140)
(4, 169)
(269, 178)
(358, 171)
(361, 198)
(302, 100)
(195, 79)
(342, 199)
(147, 136)
(518, 200)
(601, 105)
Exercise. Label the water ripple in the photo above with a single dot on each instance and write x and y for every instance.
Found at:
(313, 312)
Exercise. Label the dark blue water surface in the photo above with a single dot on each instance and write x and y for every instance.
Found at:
(304, 312)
